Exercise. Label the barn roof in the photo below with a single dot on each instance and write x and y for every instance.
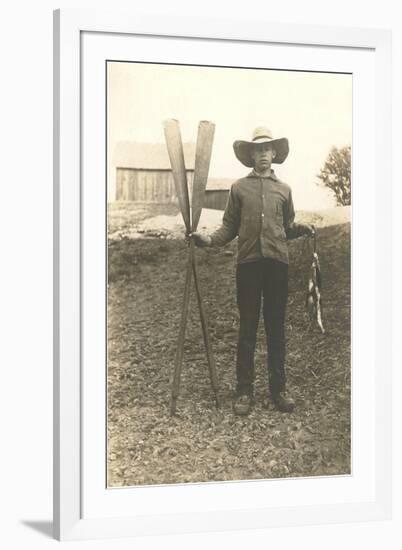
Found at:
(219, 184)
(149, 156)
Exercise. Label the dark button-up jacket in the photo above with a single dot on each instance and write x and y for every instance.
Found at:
(260, 212)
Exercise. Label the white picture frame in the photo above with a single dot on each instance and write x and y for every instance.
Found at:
(73, 439)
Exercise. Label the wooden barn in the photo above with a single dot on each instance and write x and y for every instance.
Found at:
(217, 192)
(143, 172)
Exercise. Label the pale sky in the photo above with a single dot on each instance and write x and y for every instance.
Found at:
(313, 110)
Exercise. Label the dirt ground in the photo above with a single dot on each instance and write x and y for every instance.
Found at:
(148, 446)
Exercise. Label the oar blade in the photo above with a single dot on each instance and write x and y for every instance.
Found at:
(176, 155)
(205, 138)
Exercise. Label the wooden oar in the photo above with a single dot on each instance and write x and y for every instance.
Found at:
(202, 161)
(176, 155)
(205, 138)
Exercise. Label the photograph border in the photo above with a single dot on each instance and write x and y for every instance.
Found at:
(68, 28)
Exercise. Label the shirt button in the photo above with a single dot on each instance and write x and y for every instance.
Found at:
(262, 215)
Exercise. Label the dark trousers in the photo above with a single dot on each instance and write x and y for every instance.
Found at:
(265, 280)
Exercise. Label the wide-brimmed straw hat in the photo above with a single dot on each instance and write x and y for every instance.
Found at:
(242, 149)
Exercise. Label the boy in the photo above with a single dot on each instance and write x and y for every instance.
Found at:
(260, 212)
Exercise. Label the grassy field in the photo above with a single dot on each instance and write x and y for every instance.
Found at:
(201, 443)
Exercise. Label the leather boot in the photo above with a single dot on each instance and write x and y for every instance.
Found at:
(283, 402)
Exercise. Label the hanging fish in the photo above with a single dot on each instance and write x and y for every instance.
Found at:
(313, 297)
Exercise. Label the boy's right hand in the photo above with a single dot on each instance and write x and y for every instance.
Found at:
(200, 240)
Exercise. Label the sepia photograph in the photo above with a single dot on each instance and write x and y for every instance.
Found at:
(228, 273)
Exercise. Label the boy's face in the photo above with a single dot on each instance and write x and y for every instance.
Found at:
(263, 155)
